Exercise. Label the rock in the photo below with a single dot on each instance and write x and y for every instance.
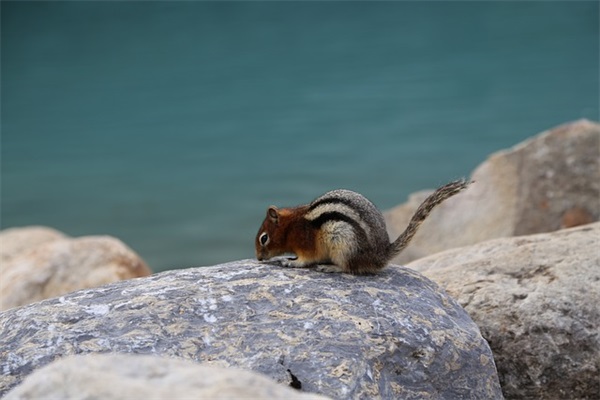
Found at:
(535, 299)
(61, 265)
(15, 241)
(541, 185)
(392, 335)
(146, 377)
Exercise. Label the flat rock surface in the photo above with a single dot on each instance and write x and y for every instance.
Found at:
(536, 299)
(393, 335)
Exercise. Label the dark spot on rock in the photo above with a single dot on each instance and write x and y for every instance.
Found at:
(541, 270)
(70, 319)
(418, 353)
(295, 383)
(538, 329)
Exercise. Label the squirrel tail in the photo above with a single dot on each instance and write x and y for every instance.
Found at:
(438, 196)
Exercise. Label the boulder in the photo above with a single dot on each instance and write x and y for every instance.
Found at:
(55, 265)
(536, 300)
(15, 241)
(146, 377)
(548, 182)
(391, 335)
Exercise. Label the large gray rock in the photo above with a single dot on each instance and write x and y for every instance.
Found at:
(124, 377)
(393, 335)
(548, 182)
(536, 300)
(40, 263)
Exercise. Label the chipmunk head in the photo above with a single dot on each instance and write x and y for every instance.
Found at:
(267, 242)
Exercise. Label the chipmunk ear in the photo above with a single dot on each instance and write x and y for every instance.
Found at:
(273, 214)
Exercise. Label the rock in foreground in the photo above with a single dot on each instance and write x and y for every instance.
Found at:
(393, 335)
(120, 376)
(40, 263)
(536, 299)
(546, 183)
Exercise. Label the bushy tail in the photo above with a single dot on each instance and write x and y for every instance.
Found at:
(441, 194)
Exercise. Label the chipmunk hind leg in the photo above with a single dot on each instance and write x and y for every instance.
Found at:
(366, 263)
(355, 264)
(338, 256)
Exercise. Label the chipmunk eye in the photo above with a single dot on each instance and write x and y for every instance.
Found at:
(263, 239)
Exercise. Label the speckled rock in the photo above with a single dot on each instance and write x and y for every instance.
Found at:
(536, 299)
(393, 335)
(120, 377)
(62, 265)
(546, 183)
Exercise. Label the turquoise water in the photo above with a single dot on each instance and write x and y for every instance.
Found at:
(174, 125)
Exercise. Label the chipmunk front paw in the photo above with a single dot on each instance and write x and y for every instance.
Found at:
(293, 262)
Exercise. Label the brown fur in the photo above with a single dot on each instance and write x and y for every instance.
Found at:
(290, 234)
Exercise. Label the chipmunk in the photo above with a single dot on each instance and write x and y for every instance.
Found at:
(340, 231)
